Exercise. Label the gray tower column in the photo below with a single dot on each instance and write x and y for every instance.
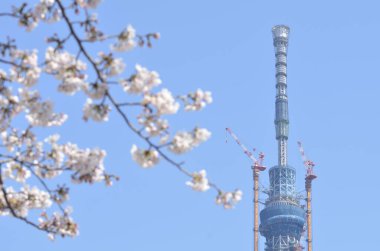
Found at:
(280, 42)
(282, 219)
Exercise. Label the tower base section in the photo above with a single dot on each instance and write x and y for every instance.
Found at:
(282, 225)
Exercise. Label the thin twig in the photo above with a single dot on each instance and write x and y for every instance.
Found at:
(130, 104)
(9, 62)
(8, 15)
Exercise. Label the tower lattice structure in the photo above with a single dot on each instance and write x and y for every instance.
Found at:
(283, 218)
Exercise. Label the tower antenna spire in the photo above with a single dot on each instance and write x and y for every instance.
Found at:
(280, 42)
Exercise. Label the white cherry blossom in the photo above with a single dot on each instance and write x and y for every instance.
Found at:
(24, 200)
(47, 172)
(3, 75)
(59, 224)
(96, 90)
(164, 139)
(145, 158)
(126, 41)
(96, 112)
(67, 68)
(42, 114)
(163, 101)
(42, 11)
(92, 4)
(182, 142)
(229, 199)
(186, 141)
(10, 140)
(201, 135)
(116, 67)
(111, 66)
(36, 198)
(16, 172)
(153, 125)
(42, 8)
(87, 163)
(30, 22)
(10, 106)
(197, 100)
(55, 154)
(27, 72)
(199, 182)
(141, 82)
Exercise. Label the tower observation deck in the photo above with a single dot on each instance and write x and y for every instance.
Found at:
(282, 219)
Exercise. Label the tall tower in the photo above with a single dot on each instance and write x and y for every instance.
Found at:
(282, 219)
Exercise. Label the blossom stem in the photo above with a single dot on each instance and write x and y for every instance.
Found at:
(9, 62)
(130, 104)
(8, 15)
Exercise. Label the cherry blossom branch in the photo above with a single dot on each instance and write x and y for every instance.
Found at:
(13, 212)
(29, 166)
(28, 157)
(116, 104)
(78, 40)
(147, 140)
(43, 183)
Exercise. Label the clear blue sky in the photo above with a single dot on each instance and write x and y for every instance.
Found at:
(226, 47)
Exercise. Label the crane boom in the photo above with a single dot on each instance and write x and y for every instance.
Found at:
(310, 176)
(245, 149)
(257, 166)
(307, 163)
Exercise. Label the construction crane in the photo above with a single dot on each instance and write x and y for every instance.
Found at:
(310, 176)
(257, 167)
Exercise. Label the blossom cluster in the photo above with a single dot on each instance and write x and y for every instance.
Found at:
(163, 101)
(229, 199)
(199, 181)
(186, 141)
(145, 158)
(26, 159)
(96, 112)
(126, 40)
(25, 69)
(23, 200)
(142, 81)
(67, 69)
(154, 126)
(110, 65)
(59, 224)
(15, 171)
(197, 100)
(88, 3)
